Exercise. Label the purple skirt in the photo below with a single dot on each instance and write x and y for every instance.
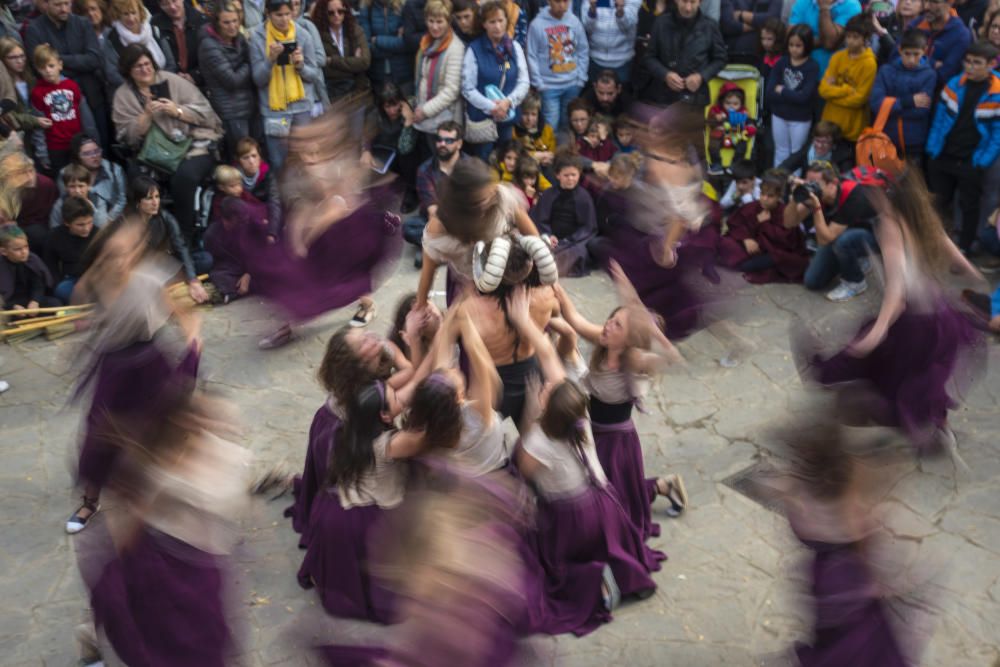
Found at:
(576, 538)
(322, 436)
(342, 265)
(336, 560)
(850, 626)
(905, 381)
(620, 454)
(160, 603)
(133, 383)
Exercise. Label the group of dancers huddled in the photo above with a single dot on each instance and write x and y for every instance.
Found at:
(416, 506)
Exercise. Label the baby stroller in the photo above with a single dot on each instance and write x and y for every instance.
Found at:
(748, 79)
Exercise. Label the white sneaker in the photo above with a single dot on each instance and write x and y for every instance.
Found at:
(4, 386)
(846, 291)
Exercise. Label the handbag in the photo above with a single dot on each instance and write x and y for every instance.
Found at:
(161, 152)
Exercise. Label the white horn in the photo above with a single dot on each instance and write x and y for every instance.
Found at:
(488, 274)
(541, 255)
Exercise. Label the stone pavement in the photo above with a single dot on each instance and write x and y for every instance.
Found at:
(727, 596)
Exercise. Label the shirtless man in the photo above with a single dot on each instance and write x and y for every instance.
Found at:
(514, 357)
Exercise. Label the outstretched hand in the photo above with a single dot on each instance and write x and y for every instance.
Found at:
(626, 291)
(518, 307)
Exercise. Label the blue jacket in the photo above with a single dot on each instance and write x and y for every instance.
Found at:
(946, 46)
(987, 117)
(391, 59)
(894, 80)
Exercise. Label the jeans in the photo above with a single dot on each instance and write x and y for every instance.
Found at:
(842, 256)
(789, 137)
(505, 132)
(948, 176)
(624, 72)
(64, 290)
(277, 147)
(990, 201)
(413, 230)
(759, 262)
(554, 103)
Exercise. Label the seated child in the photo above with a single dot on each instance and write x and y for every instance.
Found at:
(60, 100)
(612, 203)
(529, 181)
(565, 216)
(67, 244)
(229, 183)
(759, 243)
(744, 188)
(624, 130)
(23, 276)
(596, 143)
(729, 126)
(537, 137)
(77, 180)
(504, 159)
(224, 240)
(261, 182)
(580, 116)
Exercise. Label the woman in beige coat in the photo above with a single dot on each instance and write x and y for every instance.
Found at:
(438, 73)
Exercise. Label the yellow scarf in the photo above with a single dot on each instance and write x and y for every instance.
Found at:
(286, 84)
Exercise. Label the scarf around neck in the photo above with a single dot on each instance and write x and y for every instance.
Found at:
(285, 86)
(432, 50)
(145, 38)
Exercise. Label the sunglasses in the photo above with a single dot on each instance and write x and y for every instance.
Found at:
(338, 12)
(445, 140)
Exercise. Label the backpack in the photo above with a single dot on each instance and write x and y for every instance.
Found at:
(872, 176)
(875, 149)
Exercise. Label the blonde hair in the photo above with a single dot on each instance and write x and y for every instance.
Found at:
(43, 55)
(626, 163)
(119, 7)
(226, 175)
(440, 9)
(12, 165)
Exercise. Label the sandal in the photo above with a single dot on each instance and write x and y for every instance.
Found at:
(672, 488)
(76, 523)
(364, 315)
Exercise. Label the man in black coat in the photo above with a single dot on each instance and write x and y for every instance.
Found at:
(685, 52)
(180, 23)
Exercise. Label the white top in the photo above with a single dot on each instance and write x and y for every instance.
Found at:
(199, 500)
(562, 474)
(446, 249)
(480, 449)
(615, 386)
(382, 485)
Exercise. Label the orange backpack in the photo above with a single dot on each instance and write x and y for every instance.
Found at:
(875, 148)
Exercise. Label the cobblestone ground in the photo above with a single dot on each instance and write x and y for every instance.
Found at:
(727, 596)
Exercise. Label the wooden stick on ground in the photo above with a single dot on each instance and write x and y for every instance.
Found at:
(53, 309)
(34, 326)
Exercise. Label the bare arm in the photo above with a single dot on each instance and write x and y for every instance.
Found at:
(524, 223)
(520, 316)
(830, 34)
(890, 241)
(484, 382)
(580, 324)
(405, 444)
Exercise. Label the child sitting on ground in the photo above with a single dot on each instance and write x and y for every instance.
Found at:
(77, 180)
(624, 130)
(529, 181)
(596, 144)
(537, 137)
(744, 188)
(565, 217)
(229, 183)
(729, 126)
(612, 203)
(224, 240)
(66, 245)
(23, 276)
(261, 182)
(759, 243)
(503, 160)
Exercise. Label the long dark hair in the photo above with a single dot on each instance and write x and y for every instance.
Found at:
(362, 425)
(435, 409)
(565, 418)
(460, 208)
(321, 18)
(403, 309)
(341, 372)
(138, 189)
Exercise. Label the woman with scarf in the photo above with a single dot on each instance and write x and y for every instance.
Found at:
(130, 25)
(438, 75)
(282, 60)
(493, 62)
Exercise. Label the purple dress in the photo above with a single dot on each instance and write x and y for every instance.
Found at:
(906, 381)
(322, 437)
(582, 527)
(342, 265)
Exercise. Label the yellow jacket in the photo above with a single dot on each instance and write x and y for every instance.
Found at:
(500, 174)
(847, 97)
(545, 141)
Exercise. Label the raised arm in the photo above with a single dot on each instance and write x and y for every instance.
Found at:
(484, 382)
(590, 331)
(518, 308)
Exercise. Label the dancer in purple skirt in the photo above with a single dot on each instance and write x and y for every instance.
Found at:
(158, 576)
(910, 364)
(619, 369)
(132, 373)
(591, 552)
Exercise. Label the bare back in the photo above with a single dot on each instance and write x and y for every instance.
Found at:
(499, 336)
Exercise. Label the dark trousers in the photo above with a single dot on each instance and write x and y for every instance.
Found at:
(948, 176)
(235, 129)
(184, 186)
(759, 262)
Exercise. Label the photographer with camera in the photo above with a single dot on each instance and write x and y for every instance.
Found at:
(840, 213)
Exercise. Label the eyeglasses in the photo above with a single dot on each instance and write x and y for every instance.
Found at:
(18, 56)
(445, 140)
(96, 152)
(993, 28)
(975, 62)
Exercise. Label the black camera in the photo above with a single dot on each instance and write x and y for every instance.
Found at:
(802, 192)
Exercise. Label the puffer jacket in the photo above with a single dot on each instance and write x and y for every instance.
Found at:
(987, 118)
(391, 59)
(226, 70)
(685, 47)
